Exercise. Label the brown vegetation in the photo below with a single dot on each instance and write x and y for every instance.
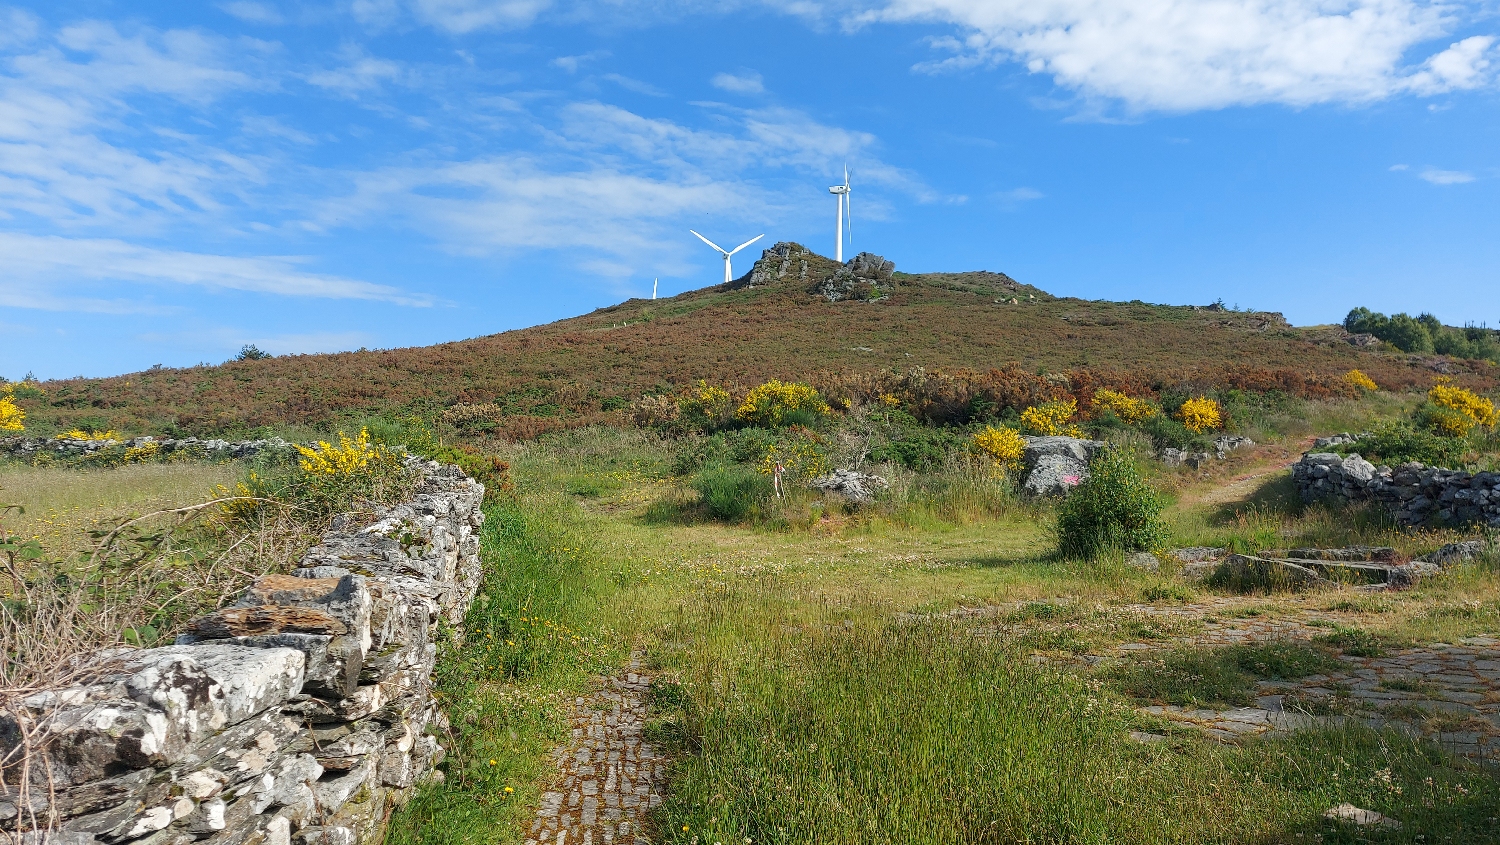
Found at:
(979, 328)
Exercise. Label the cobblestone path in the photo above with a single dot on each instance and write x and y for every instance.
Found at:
(610, 778)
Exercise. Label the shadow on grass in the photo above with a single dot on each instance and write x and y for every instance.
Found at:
(1277, 497)
(1218, 677)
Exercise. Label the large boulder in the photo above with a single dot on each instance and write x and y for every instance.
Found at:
(858, 487)
(1053, 466)
(1054, 475)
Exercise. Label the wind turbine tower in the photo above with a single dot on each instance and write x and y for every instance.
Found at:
(841, 193)
(728, 274)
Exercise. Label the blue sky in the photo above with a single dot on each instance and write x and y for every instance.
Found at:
(178, 179)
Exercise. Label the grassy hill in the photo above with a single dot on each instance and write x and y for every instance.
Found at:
(795, 315)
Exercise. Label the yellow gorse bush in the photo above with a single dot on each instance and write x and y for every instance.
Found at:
(1003, 446)
(705, 407)
(1051, 419)
(12, 418)
(350, 457)
(799, 460)
(1473, 407)
(1200, 415)
(1126, 408)
(1355, 378)
(771, 403)
(80, 434)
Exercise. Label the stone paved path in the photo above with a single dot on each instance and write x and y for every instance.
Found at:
(610, 777)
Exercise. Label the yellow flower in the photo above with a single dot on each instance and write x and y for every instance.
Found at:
(771, 403)
(348, 458)
(1003, 446)
(1478, 409)
(12, 418)
(1127, 409)
(1355, 378)
(508, 789)
(1200, 415)
(889, 400)
(1050, 419)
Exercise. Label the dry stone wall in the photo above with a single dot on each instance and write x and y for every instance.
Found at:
(1414, 493)
(27, 447)
(302, 714)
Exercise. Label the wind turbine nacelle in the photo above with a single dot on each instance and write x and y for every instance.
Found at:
(838, 189)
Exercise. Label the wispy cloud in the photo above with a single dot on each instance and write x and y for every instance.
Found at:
(571, 64)
(252, 12)
(1446, 177)
(47, 271)
(634, 85)
(744, 82)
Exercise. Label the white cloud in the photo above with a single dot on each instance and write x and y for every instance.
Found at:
(1446, 177)
(252, 12)
(460, 16)
(60, 100)
(1462, 66)
(361, 72)
(1195, 54)
(45, 271)
(745, 82)
(635, 85)
(572, 63)
(1396, 168)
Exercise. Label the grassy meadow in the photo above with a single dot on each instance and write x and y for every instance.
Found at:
(919, 670)
(908, 673)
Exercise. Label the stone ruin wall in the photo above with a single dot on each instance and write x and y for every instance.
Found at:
(302, 714)
(28, 447)
(1414, 494)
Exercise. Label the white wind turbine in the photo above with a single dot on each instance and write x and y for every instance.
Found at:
(841, 192)
(728, 275)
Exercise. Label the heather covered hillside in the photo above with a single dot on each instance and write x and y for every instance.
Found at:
(794, 315)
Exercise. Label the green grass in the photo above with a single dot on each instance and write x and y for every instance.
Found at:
(1217, 677)
(802, 704)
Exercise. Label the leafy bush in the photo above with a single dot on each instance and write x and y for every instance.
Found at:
(732, 491)
(1355, 378)
(1453, 411)
(706, 409)
(1425, 333)
(1051, 419)
(12, 418)
(1003, 446)
(776, 404)
(1166, 432)
(337, 478)
(1113, 508)
(1397, 443)
(1127, 409)
(1200, 415)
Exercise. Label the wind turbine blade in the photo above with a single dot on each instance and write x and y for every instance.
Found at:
(746, 243)
(709, 242)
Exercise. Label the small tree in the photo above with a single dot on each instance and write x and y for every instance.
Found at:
(1113, 507)
(251, 352)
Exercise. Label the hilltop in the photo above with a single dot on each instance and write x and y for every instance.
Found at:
(794, 315)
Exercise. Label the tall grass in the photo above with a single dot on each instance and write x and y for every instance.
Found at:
(922, 734)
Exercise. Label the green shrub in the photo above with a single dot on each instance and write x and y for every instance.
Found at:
(1113, 508)
(1397, 443)
(730, 491)
(1167, 431)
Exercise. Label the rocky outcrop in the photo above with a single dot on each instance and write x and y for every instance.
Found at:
(301, 714)
(27, 447)
(865, 276)
(1053, 466)
(858, 487)
(1414, 494)
(1223, 445)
